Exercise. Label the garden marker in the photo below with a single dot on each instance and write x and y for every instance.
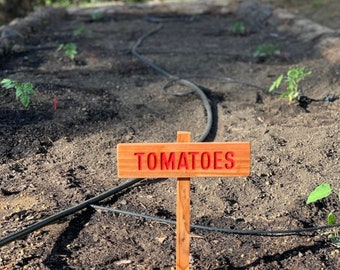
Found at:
(183, 159)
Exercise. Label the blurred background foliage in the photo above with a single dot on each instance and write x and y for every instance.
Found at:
(319, 10)
(10, 9)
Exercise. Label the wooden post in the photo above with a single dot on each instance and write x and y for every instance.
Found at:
(183, 159)
(183, 214)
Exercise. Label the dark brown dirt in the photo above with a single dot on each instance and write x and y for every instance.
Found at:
(53, 159)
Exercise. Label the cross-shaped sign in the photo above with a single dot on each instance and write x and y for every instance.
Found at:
(183, 159)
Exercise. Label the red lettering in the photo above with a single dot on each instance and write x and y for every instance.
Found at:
(193, 160)
(139, 155)
(230, 161)
(218, 160)
(183, 161)
(152, 161)
(167, 162)
(205, 160)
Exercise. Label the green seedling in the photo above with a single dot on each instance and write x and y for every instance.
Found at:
(266, 51)
(318, 3)
(81, 30)
(70, 49)
(320, 192)
(293, 78)
(23, 91)
(238, 28)
(97, 15)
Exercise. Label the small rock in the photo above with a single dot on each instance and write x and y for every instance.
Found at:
(123, 202)
(128, 137)
(161, 239)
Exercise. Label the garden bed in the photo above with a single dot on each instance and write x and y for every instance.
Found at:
(61, 150)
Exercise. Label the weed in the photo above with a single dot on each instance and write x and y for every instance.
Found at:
(70, 49)
(238, 28)
(81, 30)
(318, 3)
(97, 15)
(266, 50)
(22, 90)
(293, 78)
(320, 192)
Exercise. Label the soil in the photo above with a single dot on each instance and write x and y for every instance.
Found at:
(61, 150)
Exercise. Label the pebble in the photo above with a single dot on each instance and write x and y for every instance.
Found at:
(128, 137)
(123, 202)
(334, 253)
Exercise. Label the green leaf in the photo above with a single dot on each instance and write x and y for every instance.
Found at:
(291, 82)
(285, 95)
(320, 192)
(336, 240)
(70, 49)
(80, 30)
(276, 83)
(238, 28)
(60, 47)
(28, 88)
(25, 100)
(293, 95)
(22, 90)
(308, 73)
(293, 73)
(18, 92)
(8, 83)
(96, 15)
(266, 50)
(331, 219)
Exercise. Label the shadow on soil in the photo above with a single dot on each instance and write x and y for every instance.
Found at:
(278, 257)
(55, 259)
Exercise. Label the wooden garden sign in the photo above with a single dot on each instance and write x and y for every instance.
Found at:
(183, 159)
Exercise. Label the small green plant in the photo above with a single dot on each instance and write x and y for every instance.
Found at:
(293, 78)
(23, 91)
(97, 15)
(266, 50)
(81, 30)
(238, 28)
(70, 49)
(318, 3)
(320, 192)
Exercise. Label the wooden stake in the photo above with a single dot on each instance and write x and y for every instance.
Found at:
(183, 214)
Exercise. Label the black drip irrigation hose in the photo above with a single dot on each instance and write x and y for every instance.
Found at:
(67, 212)
(195, 88)
(223, 230)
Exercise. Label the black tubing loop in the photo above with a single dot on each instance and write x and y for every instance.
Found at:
(195, 88)
(129, 182)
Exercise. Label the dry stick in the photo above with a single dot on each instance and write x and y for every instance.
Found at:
(183, 214)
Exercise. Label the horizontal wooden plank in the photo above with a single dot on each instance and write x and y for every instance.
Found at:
(152, 160)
